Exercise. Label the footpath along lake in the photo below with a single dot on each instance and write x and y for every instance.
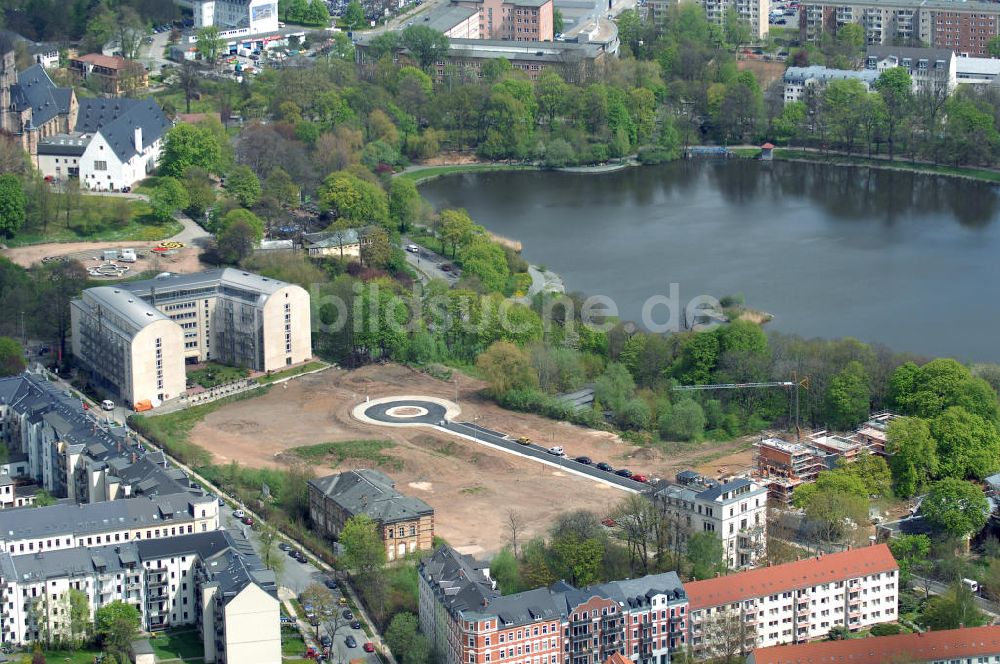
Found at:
(906, 259)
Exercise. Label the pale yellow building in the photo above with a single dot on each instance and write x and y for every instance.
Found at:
(136, 337)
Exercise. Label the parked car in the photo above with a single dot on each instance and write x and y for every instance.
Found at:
(347, 614)
(107, 404)
(369, 647)
(624, 472)
(355, 624)
(292, 553)
(605, 467)
(609, 522)
(301, 557)
(639, 477)
(524, 440)
(325, 641)
(330, 583)
(248, 520)
(222, 503)
(557, 451)
(287, 620)
(311, 653)
(413, 249)
(284, 546)
(446, 267)
(239, 514)
(350, 642)
(585, 460)
(342, 601)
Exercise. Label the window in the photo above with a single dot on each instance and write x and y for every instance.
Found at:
(100, 165)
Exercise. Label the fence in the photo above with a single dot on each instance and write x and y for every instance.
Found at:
(219, 392)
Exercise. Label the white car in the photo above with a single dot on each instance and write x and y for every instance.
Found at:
(239, 514)
(107, 404)
(413, 249)
(557, 451)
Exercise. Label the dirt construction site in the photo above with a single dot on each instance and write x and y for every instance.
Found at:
(471, 487)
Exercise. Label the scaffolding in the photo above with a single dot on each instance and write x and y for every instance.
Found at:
(782, 466)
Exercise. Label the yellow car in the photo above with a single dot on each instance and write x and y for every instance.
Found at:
(524, 440)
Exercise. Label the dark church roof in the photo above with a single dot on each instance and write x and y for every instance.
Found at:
(36, 90)
(117, 119)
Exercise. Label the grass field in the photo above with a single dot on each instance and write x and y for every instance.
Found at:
(183, 644)
(336, 453)
(83, 656)
(437, 171)
(99, 219)
(217, 374)
(172, 430)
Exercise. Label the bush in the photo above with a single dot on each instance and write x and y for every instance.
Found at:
(885, 629)
(654, 154)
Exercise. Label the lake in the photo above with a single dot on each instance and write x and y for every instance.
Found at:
(905, 259)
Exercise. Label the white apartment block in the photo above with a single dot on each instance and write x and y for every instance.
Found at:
(136, 337)
(930, 68)
(735, 510)
(65, 526)
(799, 80)
(212, 580)
(796, 602)
(752, 12)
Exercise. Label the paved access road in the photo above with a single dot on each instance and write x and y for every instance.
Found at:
(434, 415)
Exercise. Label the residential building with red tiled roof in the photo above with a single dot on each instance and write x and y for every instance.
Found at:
(792, 603)
(979, 644)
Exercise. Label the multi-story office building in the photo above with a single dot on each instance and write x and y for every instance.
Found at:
(469, 622)
(405, 523)
(793, 603)
(134, 338)
(212, 580)
(971, 644)
(55, 443)
(964, 27)
(735, 510)
(753, 13)
(65, 526)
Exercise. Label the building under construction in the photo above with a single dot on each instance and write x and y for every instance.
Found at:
(872, 434)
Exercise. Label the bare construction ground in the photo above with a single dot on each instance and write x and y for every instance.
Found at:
(470, 486)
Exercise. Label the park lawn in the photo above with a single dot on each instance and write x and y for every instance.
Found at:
(178, 644)
(437, 171)
(292, 643)
(171, 431)
(217, 374)
(99, 219)
(294, 371)
(83, 656)
(337, 453)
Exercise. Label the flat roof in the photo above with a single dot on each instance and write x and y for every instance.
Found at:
(447, 17)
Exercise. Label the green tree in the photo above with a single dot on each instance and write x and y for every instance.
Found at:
(79, 615)
(614, 387)
(580, 558)
(235, 242)
(209, 44)
(705, 553)
(910, 552)
(244, 185)
(425, 44)
(685, 421)
(505, 568)
(913, 456)
(842, 103)
(12, 204)
(993, 47)
(354, 14)
(405, 641)
(953, 609)
(956, 507)
(376, 252)
(117, 623)
(848, 397)
(488, 261)
(349, 197)
(405, 203)
(698, 357)
(506, 367)
(455, 229)
(279, 186)
(559, 23)
(201, 193)
(235, 215)
(896, 87)
(928, 390)
(169, 197)
(364, 550)
(44, 499)
(187, 145)
(968, 445)
(742, 336)
(11, 357)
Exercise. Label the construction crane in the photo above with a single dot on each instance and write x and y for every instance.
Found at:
(795, 382)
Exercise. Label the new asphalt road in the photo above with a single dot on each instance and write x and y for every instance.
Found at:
(416, 411)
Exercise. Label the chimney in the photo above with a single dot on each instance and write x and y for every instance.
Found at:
(138, 139)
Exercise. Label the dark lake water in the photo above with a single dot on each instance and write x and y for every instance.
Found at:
(909, 260)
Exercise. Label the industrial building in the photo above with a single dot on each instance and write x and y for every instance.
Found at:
(135, 338)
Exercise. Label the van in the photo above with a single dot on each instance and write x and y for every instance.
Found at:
(107, 404)
(971, 584)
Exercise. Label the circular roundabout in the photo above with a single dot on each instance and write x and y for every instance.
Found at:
(405, 411)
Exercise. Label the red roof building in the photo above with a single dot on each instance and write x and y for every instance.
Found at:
(947, 645)
(795, 602)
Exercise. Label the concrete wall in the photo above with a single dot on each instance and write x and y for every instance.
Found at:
(152, 382)
(288, 341)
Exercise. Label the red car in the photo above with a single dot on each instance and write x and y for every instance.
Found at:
(311, 653)
(640, 478)
(248, 520)
(608, 522)
(369, 647)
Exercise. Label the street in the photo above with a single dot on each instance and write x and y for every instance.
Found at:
(296, 577)
(428, 264)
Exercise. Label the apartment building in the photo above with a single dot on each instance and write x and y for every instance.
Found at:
(56, 443)
(752, 12)
(964, 28)
(506, 20)
(781, 466)
(65, 526)
(405, 523)
(872, 434)
(736, 510)
(135, 338)
(800, 79)
(793, 603)
(468, 621)
(930, 68)
(970, 644)
(212, 580)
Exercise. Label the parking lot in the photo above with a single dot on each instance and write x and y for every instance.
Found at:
(784, 14)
